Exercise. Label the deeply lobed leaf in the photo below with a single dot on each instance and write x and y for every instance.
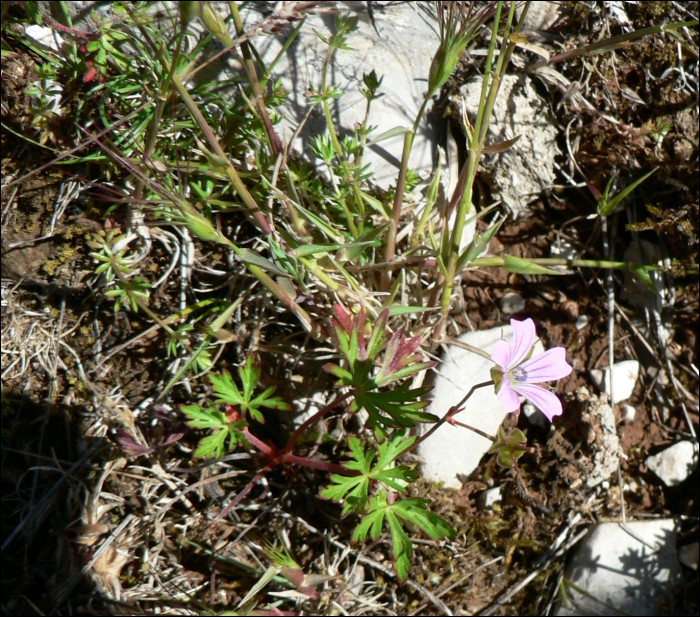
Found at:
(412, 511)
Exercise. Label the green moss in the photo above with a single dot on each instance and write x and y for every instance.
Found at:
(50, 266)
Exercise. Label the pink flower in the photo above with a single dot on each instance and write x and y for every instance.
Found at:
(524, 375)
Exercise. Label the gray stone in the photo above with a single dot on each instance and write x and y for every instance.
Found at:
(535, 416)
(625, 376)
(631, 569)
(45, 38)
(583, 321)
(628, 412)
(675, 464)
(689, 554)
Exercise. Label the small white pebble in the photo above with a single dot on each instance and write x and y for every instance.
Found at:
(489, 497)
(583, 321)
(512, 303)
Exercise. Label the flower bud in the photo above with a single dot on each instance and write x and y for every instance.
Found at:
(445, 61)
(213, 23)
(188, 11)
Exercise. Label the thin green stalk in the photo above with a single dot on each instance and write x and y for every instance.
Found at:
(569, 263)
(359, 202)
(390, 248)
(272, 139)
(476, 146)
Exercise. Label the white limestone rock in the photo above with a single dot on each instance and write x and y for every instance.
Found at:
(629, 412)
(401, 54)
(489, 497)
(675, 464)
(689, 555)
(453, 451)
(520, 174)
(633, 568)
(625, 376)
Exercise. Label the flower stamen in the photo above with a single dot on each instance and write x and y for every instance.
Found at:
(519, 374)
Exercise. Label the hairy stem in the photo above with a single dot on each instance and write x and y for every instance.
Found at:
(453, 411)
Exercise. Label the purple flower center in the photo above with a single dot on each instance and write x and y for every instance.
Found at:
(519, 374)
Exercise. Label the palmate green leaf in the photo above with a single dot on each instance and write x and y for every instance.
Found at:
(394, 409)
(204, 418)
(250, 375)
(226, 388)
(229, 393)
(401, 405)
(212, 445)
(354, 490)
(411, 511)
(214, 419)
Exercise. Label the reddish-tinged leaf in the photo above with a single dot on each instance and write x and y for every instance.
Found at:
(343, 317)
(128, 443)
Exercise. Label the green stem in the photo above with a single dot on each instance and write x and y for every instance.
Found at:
(570, 263)
(272, 139)
(479, 136)
(390, 248)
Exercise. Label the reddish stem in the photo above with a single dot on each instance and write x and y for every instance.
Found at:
(314, 464)
(259, 444)
(319, 414)
(92, 36)
(246, 490)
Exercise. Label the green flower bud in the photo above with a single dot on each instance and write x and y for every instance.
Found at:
(213, 23)
(188, 11)
(445, 61)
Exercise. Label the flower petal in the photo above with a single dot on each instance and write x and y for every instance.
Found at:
(546, 401)
(548, 366)
(523, 339)
(510, 399)
(502, 354)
